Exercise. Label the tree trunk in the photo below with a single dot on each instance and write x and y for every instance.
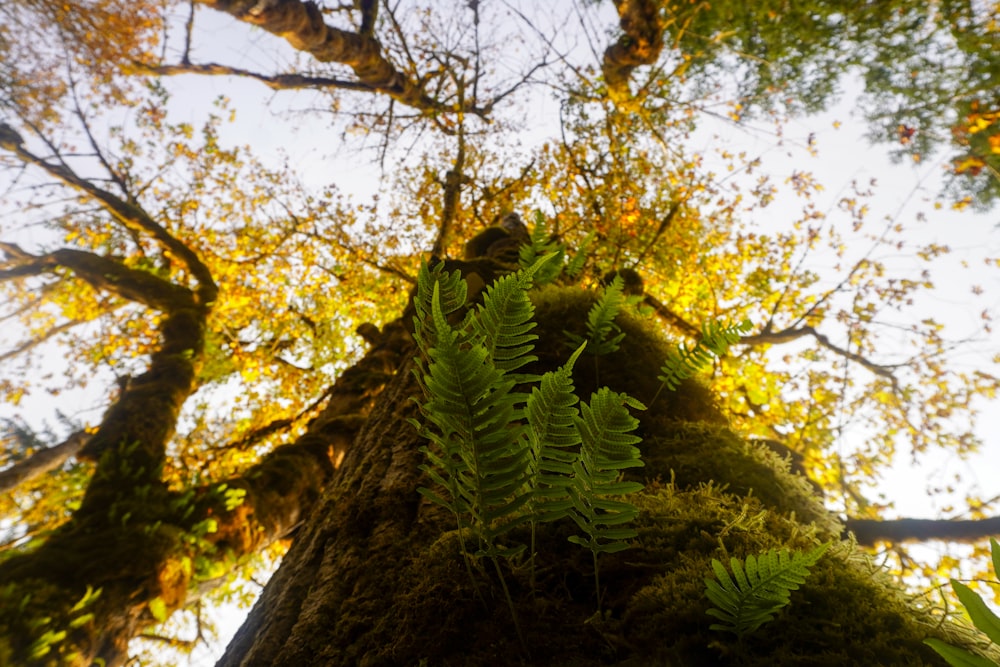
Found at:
(377, 576)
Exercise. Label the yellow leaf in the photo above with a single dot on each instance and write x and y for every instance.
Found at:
(158, 608)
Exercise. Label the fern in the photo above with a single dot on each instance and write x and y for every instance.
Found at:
(479, 456)
(607, 446)
(552, 441)
(499, 457)
(574, 267)
(756, 591)
(542, 243)
(715, 341)
(603, 335)
(453, 291)
(469, 405)
(982, 617)
(504, 319)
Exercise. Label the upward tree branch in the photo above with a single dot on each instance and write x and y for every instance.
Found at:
(100, 273)
(131, 216)
(768, 337)
(301, 24)
(640, 44)
(274, 82)
(794, 333)
(42, 461)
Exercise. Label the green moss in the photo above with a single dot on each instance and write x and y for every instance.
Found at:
(632, 368)
(710, 494)
(847, 612)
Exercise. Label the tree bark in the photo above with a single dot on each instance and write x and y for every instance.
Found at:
(377, 576)
(870, 531)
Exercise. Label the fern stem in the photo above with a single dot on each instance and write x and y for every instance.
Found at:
(468, 567)
(656, 395)
(510, 605)
(597, 582)
(531, 560)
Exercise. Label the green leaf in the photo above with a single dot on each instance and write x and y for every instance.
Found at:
(542, 243)
(758, 588)
(982, 616)
(958, 657)
(607, 446)
(81, 620)
(504, 319)
(574, 267)
(995, 553)
(715, 340)
(552, 436)
(603, 334)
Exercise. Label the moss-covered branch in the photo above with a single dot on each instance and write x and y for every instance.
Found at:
(640, 44)
(129, 214)
(301, 24)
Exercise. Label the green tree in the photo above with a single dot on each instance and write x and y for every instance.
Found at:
(250, 327)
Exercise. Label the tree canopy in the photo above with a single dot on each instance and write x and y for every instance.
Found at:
(190, 293)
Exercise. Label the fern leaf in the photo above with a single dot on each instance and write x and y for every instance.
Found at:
(504, 319)
(478, 455)
(684, 362)
(758, 588)
(607, 446)
(958, 657)
(574, 267)
(453, 293)
(982, 617)
(552, 435)
(603, 335)
(542, 243)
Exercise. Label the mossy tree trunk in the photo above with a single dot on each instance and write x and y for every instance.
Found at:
(376, 577)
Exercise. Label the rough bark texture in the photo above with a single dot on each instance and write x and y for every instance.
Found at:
(302, 25)
(640, 44)
(377, 578)
(136, 550)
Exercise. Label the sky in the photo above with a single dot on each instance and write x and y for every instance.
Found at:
(839, 156)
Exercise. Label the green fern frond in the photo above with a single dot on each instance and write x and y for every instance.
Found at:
(574, 267)
(552, 440)
(541, 243)
(479, 457)
(504, 319)
(452, 293)
(603, 335)
(715, 340)
(607, 446)
(757, 589)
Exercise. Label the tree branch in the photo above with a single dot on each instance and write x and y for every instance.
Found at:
(33, 342)
(640, 44)
(100, 273)
(274, 82)
(671, 318)
(42, 462)
(869, 531)
(788, 335)
(777, 338)
(301, 25)
(131, 216)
